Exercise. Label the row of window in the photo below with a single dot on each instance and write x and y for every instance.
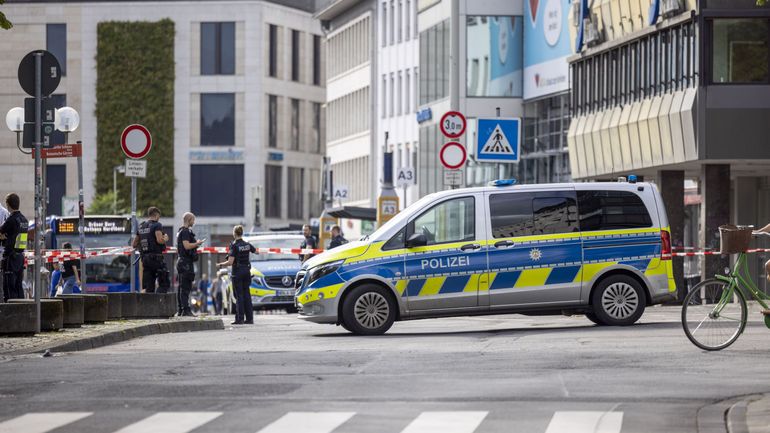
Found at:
(434, 63)
(397, 93)
(349, 114)
(354, 174)
(530, 213)
(398, 21)
(660, 62)
(218, 122)
(349, 47)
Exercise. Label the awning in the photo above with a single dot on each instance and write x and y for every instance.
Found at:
(353, 212)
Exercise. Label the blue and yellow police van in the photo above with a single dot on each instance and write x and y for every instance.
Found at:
(599, 249)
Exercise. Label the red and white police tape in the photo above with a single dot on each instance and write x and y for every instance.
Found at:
(51, 256)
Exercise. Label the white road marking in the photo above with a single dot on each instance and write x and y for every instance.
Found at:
(171, 422)
(585, 422)
(446, 422)
(308, 422)
(41, 422)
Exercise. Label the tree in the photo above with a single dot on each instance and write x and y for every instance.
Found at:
(761, 2)
(102, 205)
(4, 23)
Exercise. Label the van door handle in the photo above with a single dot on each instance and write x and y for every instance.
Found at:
(504, 244)
(467, 247)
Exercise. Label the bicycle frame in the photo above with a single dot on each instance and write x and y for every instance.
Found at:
(740, 278)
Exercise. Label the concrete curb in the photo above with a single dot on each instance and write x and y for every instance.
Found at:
(728, 416)
(135, 332)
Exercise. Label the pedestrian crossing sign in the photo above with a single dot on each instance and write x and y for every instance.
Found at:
(498, 139)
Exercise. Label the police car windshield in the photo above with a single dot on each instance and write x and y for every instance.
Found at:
(400, 219)
(275, 243)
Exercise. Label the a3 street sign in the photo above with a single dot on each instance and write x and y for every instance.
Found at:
(453, 155)
(51, 73)
(498, 140)
(453, 124)
(405, 177)
(136, 141)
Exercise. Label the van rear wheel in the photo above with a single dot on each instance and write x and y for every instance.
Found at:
(368, 310)
(592, 317)
(618, 301)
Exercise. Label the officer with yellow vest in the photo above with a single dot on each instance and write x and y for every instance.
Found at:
(13, 233)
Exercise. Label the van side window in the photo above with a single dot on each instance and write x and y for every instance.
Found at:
(611, 210)
(449, 221)
(554, 215)
(526, 213)
(511, 214)
(396, 242)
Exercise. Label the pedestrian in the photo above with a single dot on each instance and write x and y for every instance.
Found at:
(187, 248)
(310, 242)
(216, 293)
(151, 242)
(239, 258)
(13, 233)
(203, 288)
(337, 238)
(4, 214)
(70, 272)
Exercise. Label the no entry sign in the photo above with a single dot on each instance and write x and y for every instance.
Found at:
(453, 155)
(136, 141)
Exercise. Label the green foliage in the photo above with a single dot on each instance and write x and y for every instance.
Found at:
(761, 2)
(135, 84)
(102, 205)
(4, 23)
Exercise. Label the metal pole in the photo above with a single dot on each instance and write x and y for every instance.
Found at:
(38, 176)
(133, 234)
(81, 230)
(114, 190)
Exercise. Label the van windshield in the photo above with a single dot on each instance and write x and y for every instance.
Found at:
(400, 219)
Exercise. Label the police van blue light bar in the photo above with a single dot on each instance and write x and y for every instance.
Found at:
(632, 178)
(503, 182)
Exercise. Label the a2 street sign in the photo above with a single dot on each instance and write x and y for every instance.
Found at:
(136, 168)
(405, 177)
(341, 192)
(498, 140)
(136, 141)
(453, 124)
(453, 155)
(51, 73)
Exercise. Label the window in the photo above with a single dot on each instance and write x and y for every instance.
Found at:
(396, 242)
(295, 124)
(217, 48)
(391, 95)
(450, 221)
(295, 55)
(216, 189)
(554, 214)
(392, 29)
(272, 121)
(217, 119)
(611, 210)
(511, 214)
(56, 43)
(400, 93)
(407, 20)
(295, 184)
(56, 180)
(317, 126)
(316, 60)
(740, 51)
(407, 95)
(400, 19)
(273, 191)
(384, 33)
(273, 51)
(434, 67)
(384, 95)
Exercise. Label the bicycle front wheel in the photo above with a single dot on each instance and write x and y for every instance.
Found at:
(712, 318)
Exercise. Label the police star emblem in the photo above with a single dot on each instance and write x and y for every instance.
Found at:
(535, 254)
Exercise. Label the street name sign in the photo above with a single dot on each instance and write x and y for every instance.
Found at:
(136, 141)
(453, 124)
(136, 168)
(61, 151)
(498, 140)
(453, 155)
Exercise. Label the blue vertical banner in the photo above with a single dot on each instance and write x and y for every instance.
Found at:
(546, 47)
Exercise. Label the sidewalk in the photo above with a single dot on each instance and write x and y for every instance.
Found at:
(758, 415)
(111, 332)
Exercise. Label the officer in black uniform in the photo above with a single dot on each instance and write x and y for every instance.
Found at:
(13, 233)
(239, 259)
(337, 238)
(187, 247)
(151, 243)
(310, 242)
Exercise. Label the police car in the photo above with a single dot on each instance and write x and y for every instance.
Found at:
(272, 275)
(599, 249)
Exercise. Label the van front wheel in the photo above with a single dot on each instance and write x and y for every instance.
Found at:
(368, 310)
(618, 301)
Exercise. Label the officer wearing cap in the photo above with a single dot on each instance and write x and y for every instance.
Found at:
(13, 233)
(239, 258)
(151, 242)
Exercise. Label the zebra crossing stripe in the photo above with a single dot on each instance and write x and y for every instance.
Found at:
(446, 422)
(585, 422)
(308, 422)
(171, 422)
(41, 422)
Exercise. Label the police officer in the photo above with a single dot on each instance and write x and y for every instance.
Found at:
(151, 242)
(13, 233)
(239, 259)
(187, 247)
(310, 242)
(337, 238)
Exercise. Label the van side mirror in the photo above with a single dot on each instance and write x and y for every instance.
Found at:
(416, 240)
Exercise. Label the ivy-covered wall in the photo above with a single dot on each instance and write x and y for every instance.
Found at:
(135, 84)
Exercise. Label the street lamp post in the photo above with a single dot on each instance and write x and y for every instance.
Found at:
(117, 169)
(67, 120)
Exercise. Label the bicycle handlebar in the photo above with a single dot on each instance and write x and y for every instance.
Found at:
(758, 233)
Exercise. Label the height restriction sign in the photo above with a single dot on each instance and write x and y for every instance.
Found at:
(453, 124)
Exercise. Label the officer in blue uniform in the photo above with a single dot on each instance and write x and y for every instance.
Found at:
(151, 242)
(13, 233)
(187, 247)
(239, 259)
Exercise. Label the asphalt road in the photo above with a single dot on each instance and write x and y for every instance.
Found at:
(459, 375)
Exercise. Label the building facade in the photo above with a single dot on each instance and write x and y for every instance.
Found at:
(249, 130)
(676, 91)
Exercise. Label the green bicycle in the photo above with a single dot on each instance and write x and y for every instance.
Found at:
(715, 312)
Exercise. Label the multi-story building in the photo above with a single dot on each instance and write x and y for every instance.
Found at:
(676, 90)
(248, 92)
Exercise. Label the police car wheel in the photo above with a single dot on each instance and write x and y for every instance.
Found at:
(592, 317)
(618, 301)
(368, 310)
